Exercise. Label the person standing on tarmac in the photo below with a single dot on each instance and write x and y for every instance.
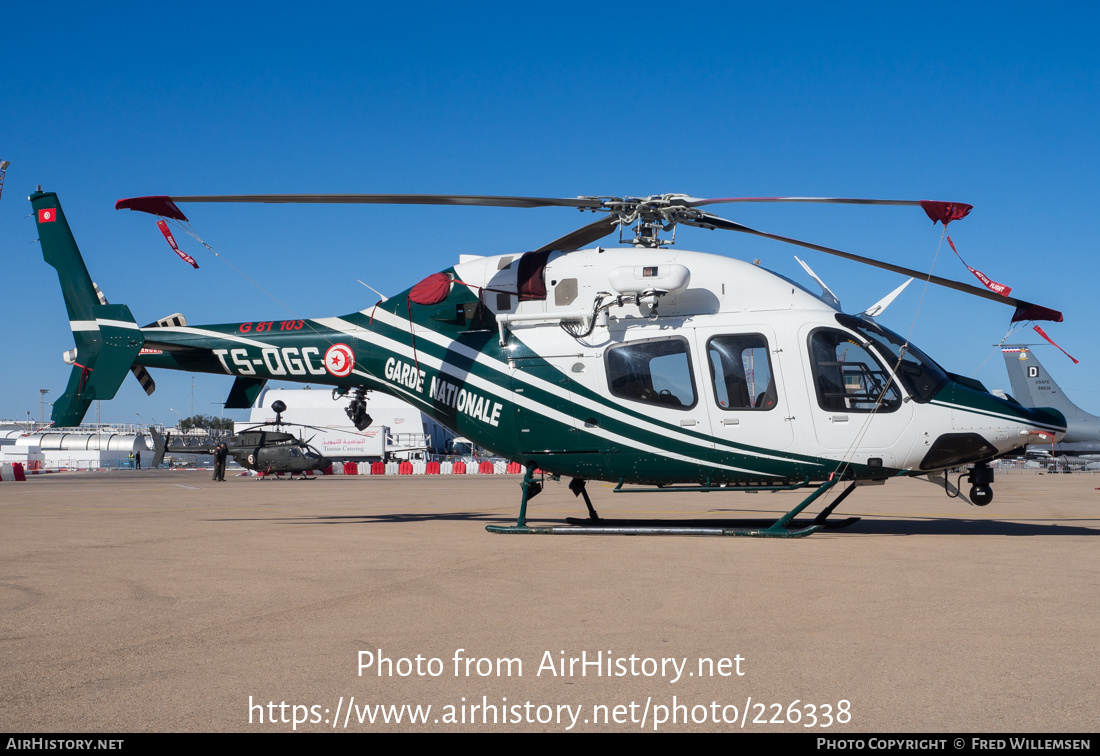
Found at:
(217, 461)
(220, 456)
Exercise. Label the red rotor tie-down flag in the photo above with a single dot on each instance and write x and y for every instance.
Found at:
(172, 243)
(1042, 333)
(945, 212)
(997, 288)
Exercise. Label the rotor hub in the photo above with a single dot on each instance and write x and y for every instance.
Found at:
(650, 215)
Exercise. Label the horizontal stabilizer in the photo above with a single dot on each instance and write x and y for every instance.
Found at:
(244, 392)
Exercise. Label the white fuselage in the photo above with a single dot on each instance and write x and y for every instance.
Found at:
(725, 298)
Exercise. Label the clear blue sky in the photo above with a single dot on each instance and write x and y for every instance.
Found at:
(996, 105)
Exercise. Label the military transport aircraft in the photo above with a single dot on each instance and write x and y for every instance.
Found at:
(1032, 386)
(637, 364)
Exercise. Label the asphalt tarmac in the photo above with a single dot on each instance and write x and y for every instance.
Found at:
(162, 601)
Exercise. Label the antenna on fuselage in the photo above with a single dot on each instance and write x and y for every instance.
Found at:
(878, 307)
(826, 292)
(376, 291)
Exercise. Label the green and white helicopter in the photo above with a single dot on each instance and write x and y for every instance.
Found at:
(639, 364)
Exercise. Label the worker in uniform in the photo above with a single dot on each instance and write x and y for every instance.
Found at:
(220, 456)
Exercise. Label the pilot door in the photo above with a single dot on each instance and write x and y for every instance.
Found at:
(855, 403)
(743, 387)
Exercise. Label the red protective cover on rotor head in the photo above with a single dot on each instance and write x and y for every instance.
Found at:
(162, 206)
(1026, 311)
(945, 212)
(431, 290)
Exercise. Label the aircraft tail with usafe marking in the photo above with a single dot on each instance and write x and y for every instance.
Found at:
(1032, 385)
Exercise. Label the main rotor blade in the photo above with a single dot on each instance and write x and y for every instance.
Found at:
(699, 202)
(1024, 309)
(582, 237)
(936, 210)
(164, 205)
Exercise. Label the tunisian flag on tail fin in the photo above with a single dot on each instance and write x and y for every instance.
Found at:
(172, 243)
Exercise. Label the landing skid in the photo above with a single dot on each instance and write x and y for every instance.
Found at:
(784, 527)
(711, 524)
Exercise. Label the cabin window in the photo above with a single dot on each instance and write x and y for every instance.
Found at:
(653, 371)
(741, 371)
(847, 376)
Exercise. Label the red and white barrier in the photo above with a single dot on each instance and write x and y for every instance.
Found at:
(10, 471)
(406, 467)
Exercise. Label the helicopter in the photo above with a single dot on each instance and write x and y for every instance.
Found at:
(268, 452)
(651, 367)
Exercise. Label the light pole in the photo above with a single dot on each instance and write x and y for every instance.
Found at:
(180, 424)
(42, 405)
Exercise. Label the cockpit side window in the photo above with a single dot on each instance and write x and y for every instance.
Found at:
(741, 371)
(918, 373)
(653, 371)
(847, 375)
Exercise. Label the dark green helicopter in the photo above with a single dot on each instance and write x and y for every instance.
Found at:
(269, 452)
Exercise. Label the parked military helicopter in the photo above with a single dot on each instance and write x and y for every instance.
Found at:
(270, 452)
(640, 364)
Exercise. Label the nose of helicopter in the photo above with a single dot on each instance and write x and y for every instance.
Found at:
(984, 426)
(1014, 427)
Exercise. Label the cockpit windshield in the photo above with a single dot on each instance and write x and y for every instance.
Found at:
(918, 372)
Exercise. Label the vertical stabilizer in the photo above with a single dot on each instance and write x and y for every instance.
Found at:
(59, 250)
(107, 336)
(1032, 386)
